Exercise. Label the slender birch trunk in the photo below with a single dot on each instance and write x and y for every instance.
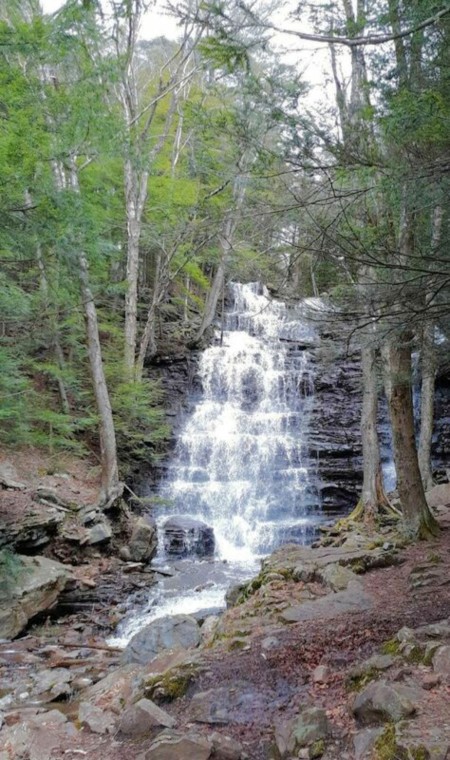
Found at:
(428, 367)
(111, 487)
(372, 494)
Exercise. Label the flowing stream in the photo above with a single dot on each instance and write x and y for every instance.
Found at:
(241, 460)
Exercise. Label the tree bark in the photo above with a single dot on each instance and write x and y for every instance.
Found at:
(135, 197)
(111, 488)
(428, 366)
(419, 521)
(372, 494)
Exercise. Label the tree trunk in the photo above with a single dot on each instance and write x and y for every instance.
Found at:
(419, 521)
(212, 299)
(135, 197)
(372, 495)
(428, 366)
(111, 487)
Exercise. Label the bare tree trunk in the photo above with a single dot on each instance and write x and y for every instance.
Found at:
(419, 521)
(135, 197)
(111, 487)
(428, 366)
(372, 495)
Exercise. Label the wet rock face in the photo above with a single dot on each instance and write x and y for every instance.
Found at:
(184, 536)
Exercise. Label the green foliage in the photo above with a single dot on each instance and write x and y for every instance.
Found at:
(139, 419)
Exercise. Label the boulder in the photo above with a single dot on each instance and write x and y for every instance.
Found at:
(32, 530)
(364, 742)
(439, 496)
(170, 632)
(441, 663)
(51, 495)
(184, 536)
(144, 540)
(307, 729)
(336, 577)
(99, 533)
(224, 747)
(144, 717)
(172, 745)
(382, 702)
(37, 585)
(37, 737)
(97, 720)
(9, 477)
(115, 690)
(212, 706)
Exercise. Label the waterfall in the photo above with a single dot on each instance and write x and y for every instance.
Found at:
(241, 461)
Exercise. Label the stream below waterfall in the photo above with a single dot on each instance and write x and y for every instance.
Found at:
(241, 462)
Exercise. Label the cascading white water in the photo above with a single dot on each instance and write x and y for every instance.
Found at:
(241, 463)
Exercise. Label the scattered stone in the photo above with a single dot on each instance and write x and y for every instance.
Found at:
(212, 706)
(374, 664)
(51, 495)
(384, 702)
(125, 554)
(143, 717)
(336, 577)
(37, 737)
(208, 628)
(320, 674)
(35, 588)
(270, 642)
(364, 742)
(144, 540)
(116, 690)
(184, 536)
(53, 680)
(309, 728)
(97, 720)
(430, 681)
(439, 496)
(9, 477)
(88, 515)
(441, 663)
(32, 531)
(224, 747)
(172, 745)
(99, 533)
(81, 682)
(170, 632)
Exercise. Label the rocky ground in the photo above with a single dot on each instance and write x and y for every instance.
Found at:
(340, 651)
